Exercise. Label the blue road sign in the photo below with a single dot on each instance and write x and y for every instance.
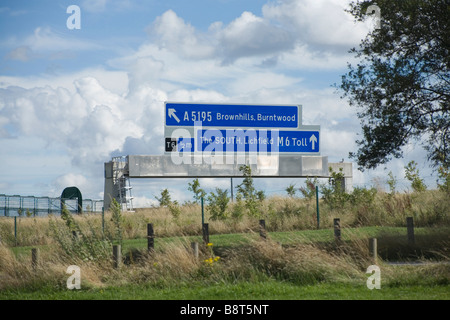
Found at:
(232, 115)
(230, 140)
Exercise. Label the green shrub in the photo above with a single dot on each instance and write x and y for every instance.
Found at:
(412, 174)
(249, 194)
(199, 193)
(290, 190)
(309, 191)
(444, 179)
(164, 200)
(334, 194)
(77, 243)
(218, 203)
(117, 220)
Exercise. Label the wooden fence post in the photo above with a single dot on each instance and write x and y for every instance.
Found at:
(410, 227)
(317, 207)
(373, 249)
(205, 231)
(150, 237)
(34, 258)
(262, 229)
(194, 246)
(337, 229)
(117, 256)
(15, 231)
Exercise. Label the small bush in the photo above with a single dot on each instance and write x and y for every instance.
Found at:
(218, 204)
(334, 194)
(249, 194)
(199, 193)
(164, 200)
(412, 174)
(78, 243)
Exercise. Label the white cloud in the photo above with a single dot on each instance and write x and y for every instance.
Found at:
(45, 40)
(45, 43)
(144, 202)
(71, 179)
(319, 23)
(112, 80)
(250, 35)
(22, 53)
(94, 5)
(318, 30)
(90, 122)
(174, 34)
(262, 80)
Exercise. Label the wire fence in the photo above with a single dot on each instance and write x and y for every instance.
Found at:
(16, 205)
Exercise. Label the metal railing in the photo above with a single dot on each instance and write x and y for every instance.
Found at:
(16, 205)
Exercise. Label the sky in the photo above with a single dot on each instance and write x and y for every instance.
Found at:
(72, 98)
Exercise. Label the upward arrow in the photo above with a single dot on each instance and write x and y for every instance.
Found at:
(313, 140)
(172, 114)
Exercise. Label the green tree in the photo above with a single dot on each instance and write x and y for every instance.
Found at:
(444, 179)
(309, 190)
(334, 194)
(199, 193)
(392, 182)
(117, 219)
(401, 84)
(175, 209)
(164, 200)
(290, 190)
(248, 192)
(218, 203)
(412, 174)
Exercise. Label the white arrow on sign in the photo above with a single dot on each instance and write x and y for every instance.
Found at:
(313, 139)
(172, 114)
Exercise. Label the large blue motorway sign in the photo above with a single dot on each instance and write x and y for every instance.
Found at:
(215, 128)
(248, 141)
(232, 115)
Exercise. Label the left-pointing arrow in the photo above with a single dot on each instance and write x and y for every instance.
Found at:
(172, 114)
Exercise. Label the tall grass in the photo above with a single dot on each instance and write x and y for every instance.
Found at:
(173, 265)
(81, 240)
(428, 208)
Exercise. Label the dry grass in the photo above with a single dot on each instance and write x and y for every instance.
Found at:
(174, 263)
(428, 208)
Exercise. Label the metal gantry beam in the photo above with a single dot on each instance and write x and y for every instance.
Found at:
(168, 166)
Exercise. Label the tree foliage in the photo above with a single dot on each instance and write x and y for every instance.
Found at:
(164, 200)
(218, 203)
(248, 192)
(198, 192)
(412, 174)
(401, 84)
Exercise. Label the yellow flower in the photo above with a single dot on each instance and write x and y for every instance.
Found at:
(209, 244)
(216, 259)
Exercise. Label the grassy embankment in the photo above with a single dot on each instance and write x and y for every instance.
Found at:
(296, 262)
